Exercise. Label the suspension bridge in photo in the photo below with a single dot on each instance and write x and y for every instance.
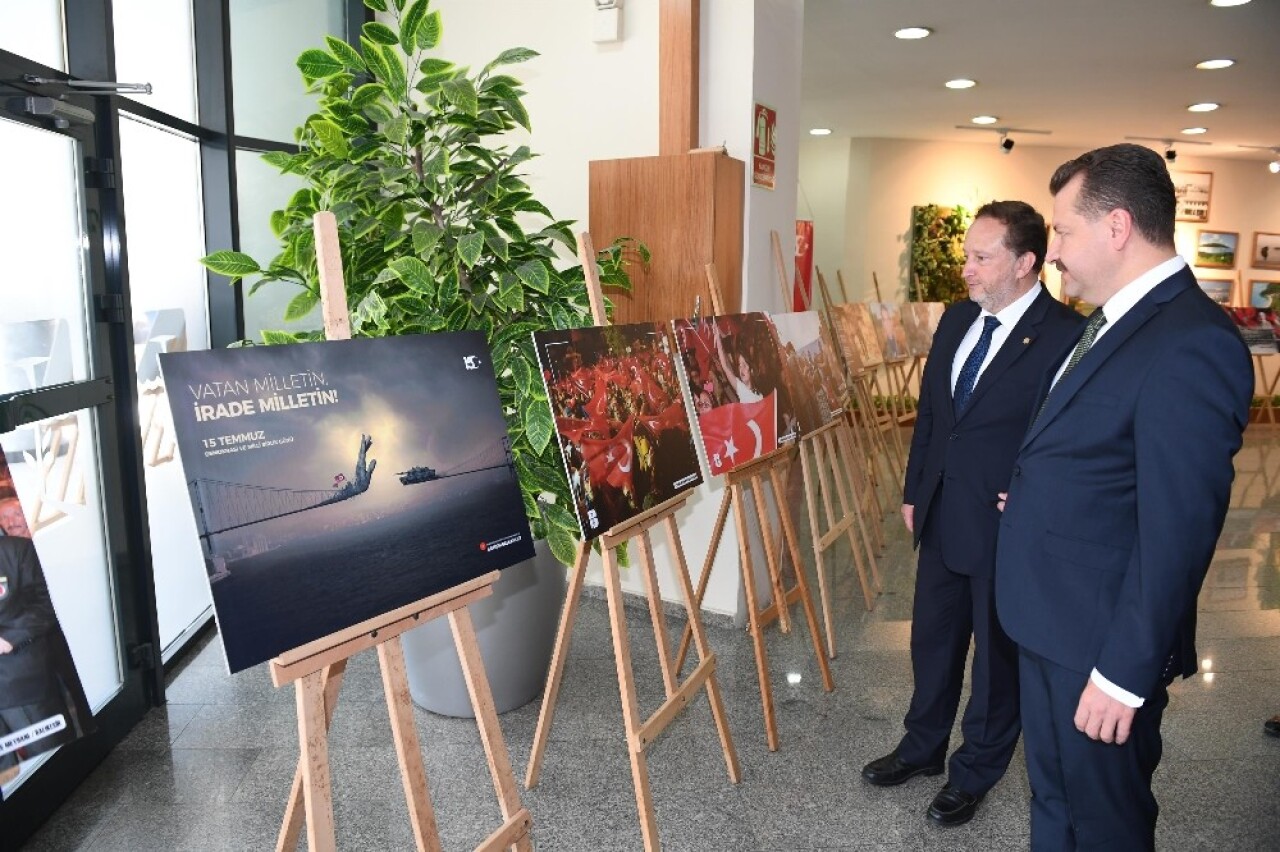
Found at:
(222, 506)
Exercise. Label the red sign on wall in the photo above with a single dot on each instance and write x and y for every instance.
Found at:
(802, 294)
(763, 163)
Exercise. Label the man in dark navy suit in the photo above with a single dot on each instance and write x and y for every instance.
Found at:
(989, 358)
(1118, 495)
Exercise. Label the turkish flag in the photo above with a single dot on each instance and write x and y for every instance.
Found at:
(672, 417)
(739, 432)
(610, 460)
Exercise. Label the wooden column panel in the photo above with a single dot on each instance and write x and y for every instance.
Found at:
(678, 22)
(688, 209)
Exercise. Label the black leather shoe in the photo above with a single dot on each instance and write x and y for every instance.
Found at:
(890, 770)
(1272, 726)
(953, 806)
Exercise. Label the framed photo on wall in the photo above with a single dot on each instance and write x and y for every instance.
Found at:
(1259, 296)
(1218, 289)
(1193, 191)
(1216, 249)
(1266, 250)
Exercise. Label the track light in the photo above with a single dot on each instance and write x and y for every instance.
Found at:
(1274, 165)
(1006, 144)
(1170, 154)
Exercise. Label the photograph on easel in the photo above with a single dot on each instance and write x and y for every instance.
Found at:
(42, 701)
(620, 417)
(858, 340)
(735, 380)
(889, 330)
(812, 376)
(1260, 328)
(921, 320)
(334, 482)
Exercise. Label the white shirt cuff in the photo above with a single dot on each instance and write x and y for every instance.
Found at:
(1124, 696)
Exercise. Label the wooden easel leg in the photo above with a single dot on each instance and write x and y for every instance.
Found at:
(815, 532)
(630, 707)
(806, 598)
(836, 474)
(556, 672)
(294, 813)
(753, 619)
(770, 555)
(517, 820)
(704, 651)
(395, 686)
(656, 615)
(842, 461)
(313, 741)
(717, 533)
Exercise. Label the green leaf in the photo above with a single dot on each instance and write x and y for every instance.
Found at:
(563, 544)
(367, 94)
(301, 305)
(376, 5)
(379, 33)
(461, 92)
(415, 275)
(538, 424)
(512, 56)
(411, 23)
(279, 159)
(277, 338)
(345, 53)
(430, 32)
(426, 235)
(449, 290)
(469, 248)
(517, 111)
(315, 64)
(331, 138)
(279, 221)
(511, 294)
(558, 517)
(534, 275)
(523, 375)
(396, 79)
(433, 66)
(437, 163)
(397, 129)
(233, 264)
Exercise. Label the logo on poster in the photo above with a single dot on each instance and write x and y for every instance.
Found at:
(471, 362)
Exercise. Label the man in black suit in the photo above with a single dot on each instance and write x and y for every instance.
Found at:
(1119, 492)
(989, 358)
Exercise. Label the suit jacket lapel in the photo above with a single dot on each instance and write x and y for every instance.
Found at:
(1019, 339)
(1147, 307)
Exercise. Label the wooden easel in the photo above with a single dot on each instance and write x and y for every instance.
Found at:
(752, 475)
(1268, 382)
(640, 732)
(316, 670)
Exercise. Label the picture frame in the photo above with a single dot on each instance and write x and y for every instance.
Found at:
(1194, 192)
(1266, 250)
(1257, 292)
(1216, 249)
(1218, 289)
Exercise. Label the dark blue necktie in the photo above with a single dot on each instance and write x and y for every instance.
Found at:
(969, 372)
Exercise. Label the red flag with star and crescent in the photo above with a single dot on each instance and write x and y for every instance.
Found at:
(610, 460)
(739, 432)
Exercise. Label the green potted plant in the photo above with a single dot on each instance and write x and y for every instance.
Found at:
(439, 231)
(937, 253)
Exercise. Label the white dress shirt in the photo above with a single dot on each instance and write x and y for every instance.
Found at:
(1008, 317)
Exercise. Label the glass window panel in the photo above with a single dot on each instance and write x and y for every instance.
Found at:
(263, 189)
(33, 28)
(266, 39)
(154, 44)
(42, 239)
(162, 205)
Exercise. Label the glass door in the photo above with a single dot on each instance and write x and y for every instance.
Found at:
(66, 421)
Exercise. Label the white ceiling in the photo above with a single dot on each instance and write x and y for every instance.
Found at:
(1091, 71)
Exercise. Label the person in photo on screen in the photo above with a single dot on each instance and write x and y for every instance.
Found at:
(989, 357)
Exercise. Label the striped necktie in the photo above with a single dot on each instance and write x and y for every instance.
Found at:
(969, 372)
(1097, 320)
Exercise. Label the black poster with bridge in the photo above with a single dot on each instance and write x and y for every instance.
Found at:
(333, 482)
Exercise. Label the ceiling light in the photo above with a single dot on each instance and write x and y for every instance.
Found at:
(1215, 64)
(1274, 167)
(1225, 3)
(1205, 107)
(984, 119)
(909, 33)
(961, 83)
(820, 131)
(1195, 131)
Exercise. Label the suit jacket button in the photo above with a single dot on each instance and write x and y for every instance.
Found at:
(1017, 470)
(953, 437)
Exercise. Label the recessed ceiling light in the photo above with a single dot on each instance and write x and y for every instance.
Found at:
(961, 83)
(1215, 64)
(1205, 107)
(1227, 2)
(913, 33)
(820, 131)
(1195, 131)
(984, 119)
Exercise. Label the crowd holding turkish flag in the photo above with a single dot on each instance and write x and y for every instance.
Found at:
(739, 432)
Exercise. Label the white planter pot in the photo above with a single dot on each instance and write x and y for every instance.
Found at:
(516, 627)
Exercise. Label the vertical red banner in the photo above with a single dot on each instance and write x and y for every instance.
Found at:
(802, 291)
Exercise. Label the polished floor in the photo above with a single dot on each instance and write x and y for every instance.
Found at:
(211, 770)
